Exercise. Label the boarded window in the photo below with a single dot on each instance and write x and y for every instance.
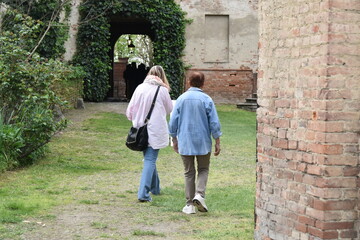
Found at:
(216, 38)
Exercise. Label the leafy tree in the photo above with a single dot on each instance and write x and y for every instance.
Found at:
(27, 96)
(142, 53)
(49, 41)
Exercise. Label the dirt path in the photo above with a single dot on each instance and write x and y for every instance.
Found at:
(92, 180)
(112, 216)
(79, 115)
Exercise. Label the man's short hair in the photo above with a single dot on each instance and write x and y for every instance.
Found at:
(196, 79)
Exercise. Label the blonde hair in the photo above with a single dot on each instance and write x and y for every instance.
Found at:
(158, 71)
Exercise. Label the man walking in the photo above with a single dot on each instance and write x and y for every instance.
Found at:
(193, 122)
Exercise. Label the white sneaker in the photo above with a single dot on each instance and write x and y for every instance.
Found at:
(199, 202)
(189, 209)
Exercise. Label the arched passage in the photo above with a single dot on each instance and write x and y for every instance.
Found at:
(103, 23)
(120, 26)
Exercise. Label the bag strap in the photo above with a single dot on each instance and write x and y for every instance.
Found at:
(152, 106)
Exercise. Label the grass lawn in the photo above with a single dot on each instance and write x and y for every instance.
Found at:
(89, 170)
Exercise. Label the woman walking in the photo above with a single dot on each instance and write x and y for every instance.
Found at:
(137, 111)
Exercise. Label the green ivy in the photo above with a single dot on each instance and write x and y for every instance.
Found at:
(44, 11)
(167, 22)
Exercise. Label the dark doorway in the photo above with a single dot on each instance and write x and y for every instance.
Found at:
(134, 75)
(121, 26)
(133, 57)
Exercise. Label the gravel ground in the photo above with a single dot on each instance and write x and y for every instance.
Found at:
(79, 115)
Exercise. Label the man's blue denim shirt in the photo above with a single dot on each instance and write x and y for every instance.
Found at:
(193, 121)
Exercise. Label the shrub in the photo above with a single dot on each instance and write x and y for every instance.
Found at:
(28, 87)
(45, 13)
(68, 85)
(10, 145)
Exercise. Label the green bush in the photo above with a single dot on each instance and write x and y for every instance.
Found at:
(44, 12)
(28, 94)
(10, 144)
(68, 85)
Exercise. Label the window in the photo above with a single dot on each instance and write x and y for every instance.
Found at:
(216, 38)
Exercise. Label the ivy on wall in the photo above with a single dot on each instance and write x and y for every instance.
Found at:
(167, 22)
(48, 13)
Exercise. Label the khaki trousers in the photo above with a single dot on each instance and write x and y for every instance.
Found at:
(203, 163)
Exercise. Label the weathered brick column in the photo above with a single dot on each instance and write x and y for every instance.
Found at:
(308, 120)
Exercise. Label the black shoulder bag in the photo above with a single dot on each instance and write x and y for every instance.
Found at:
(137, 139)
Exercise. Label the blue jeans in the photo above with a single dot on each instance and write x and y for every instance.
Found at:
(150, 181)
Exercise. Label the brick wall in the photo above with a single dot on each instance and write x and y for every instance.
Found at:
(227, 85)
(308, 120)
(119, 89)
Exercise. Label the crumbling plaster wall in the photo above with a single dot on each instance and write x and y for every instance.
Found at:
(242, 30)
(70, 44)
(2, 10)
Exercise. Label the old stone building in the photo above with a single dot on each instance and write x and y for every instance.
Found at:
(309, 96)
(308, 169)
(222, 42)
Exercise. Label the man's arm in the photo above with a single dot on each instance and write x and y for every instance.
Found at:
(175, 144)
(217, 146)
